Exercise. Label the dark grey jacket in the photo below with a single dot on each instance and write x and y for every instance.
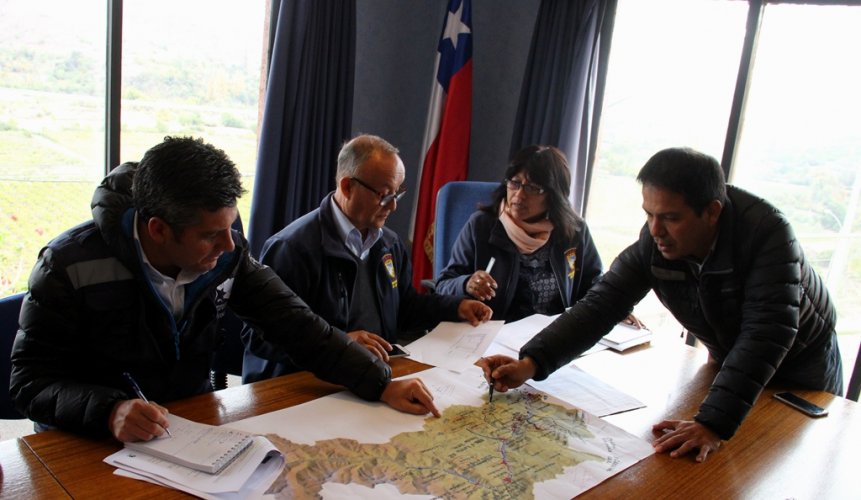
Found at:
(91, 314)
(311, 258)
(757, 305)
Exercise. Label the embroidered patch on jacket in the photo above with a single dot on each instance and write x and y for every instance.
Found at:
(390, 268)
(222, 295)
(571, 259)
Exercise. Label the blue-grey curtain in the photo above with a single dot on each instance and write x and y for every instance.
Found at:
(307, 114)
(563, 86)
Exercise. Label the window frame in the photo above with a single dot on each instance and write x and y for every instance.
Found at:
(113, 90)
(756, 9)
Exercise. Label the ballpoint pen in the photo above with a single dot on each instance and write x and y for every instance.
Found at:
(140, 394)
(490, 265)
(490, 398)
(486, 270)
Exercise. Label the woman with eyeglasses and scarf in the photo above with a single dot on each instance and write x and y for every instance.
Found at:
(543, 257)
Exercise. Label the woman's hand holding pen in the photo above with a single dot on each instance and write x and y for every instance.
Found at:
(137, 420)
(481, 285)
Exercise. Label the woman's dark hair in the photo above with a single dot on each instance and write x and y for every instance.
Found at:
(696, 176)
(181, 176)
(547, 167)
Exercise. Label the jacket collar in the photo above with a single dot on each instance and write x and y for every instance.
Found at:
(720, 260)
(331, 241)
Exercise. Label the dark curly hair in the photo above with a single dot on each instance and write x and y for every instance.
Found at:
(181, 176)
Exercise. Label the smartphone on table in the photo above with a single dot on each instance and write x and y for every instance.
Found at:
(398, 351)
(801, 404)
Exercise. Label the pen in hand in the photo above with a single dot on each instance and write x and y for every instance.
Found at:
(140, 394)
(490, 398)
(490, 264)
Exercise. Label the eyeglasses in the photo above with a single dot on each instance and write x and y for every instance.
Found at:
(384, 199)
(514, 185)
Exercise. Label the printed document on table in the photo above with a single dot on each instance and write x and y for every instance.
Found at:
(514, 335)
(455, 346)
(233, 478)
(580, 389)
(255, 487)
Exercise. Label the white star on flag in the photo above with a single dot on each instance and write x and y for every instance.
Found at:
(454, 26)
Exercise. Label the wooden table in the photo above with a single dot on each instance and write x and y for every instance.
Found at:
(22, 475)
(777, 453)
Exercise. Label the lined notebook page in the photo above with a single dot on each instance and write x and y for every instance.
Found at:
(197, 446)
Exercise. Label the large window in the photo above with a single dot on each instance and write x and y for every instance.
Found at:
(191, 67)
(800, 146)
(670, 83)
(194, 72)
(671, 79)
(52, 115)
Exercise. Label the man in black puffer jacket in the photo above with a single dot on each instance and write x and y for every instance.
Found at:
(140, 289)
(727, 265)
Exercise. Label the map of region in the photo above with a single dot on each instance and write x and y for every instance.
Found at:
(524, 444)
(497, 450)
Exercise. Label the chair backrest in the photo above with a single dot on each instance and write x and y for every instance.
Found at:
(455, 202)
(10, 308)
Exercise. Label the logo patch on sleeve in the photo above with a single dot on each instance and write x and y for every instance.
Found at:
(571, 260)
(390, 269)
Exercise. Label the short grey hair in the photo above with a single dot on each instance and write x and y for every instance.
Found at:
(357, 150)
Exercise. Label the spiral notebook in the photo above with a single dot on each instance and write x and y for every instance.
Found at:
(202, 447)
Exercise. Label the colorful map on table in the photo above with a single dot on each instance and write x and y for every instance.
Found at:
(521, 445)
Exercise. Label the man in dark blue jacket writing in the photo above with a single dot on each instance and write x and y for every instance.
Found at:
(141, 288)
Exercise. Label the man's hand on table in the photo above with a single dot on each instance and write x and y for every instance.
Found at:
(372, 342)
(681, 437)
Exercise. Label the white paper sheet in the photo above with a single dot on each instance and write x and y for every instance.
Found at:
(455, 346)
(230, 479)
(255, 487)
(512, 336)
(578, 388)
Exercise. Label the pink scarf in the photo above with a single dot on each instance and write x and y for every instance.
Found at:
(526, 236)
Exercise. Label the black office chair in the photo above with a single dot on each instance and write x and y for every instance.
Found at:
(852, 392)
(10, 308)
(228, 357)
(455, 203)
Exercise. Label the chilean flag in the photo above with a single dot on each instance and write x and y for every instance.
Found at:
(446, 141)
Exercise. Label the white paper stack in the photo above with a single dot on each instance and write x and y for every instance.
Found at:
(249, 475)
(623, 337)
